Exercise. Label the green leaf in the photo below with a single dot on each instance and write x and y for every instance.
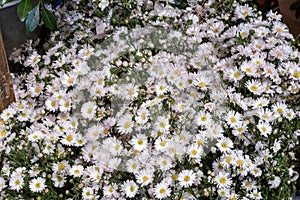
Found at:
(23, 9)
(33, 19)
(49, 19)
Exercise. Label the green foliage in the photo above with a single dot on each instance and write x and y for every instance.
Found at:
(33, 19)
(24, 8)
(49, 19)
(34, 14)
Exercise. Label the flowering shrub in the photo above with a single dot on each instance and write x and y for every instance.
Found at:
(154, 100)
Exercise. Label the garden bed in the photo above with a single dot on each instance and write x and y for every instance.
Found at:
(154, 100)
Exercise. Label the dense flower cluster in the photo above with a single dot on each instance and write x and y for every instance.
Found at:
(154, 100)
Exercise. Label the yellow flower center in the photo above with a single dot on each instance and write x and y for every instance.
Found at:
(127, 124)
(187, 178)
(131, 189)
(162, 191)
(223, 180)
(69, 138)
(38, 185)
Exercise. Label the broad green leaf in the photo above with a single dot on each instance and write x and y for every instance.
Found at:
(49, 19)
(33, 19)
(23, 9)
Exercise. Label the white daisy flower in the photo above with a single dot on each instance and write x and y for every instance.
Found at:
(130, 188)
(133, 165)
(16, 182)
(2, 184)
(162, 124)
(144, 177)
(255, 194)
(110, 190)
(223, 180)
(162, 191)
(37, 184)
(224, 144)
(203, 118)
(59, 180)
(186, 178)
(164, 162)
(139, 142)
(264, 127)
(76, 170)
(194, 151)
(255, 87)
(87, 193)
(233, 118)
(125, 124)
(88, 110)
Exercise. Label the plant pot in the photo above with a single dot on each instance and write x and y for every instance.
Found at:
(289, 16)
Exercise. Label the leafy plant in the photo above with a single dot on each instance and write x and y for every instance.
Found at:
(34, 14)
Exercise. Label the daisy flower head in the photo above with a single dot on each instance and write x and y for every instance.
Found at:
(113, 145)
(161, 143)
(235, 74)
(133, 165)
(162, 124)
(162, 190)
(37, 184)
(130, 91)
(194, 151)
(249, 184)
(164, 162)
(130, 188)
(249, 69)
(255, 194)
(16, 182)
(76, 170)
(88, 110)
(142, 116)
(61, 167)
(225, 144)
(144, 177)
(224, 192)
(2, 184)
(69, 79)
(125, 124)
(33, 59)
(202, 82)
(279, 108)
(161, 88)
(255, 87)
(87, 193)
(186, 178)
(69, 138)
(265, 128)
(233, 118)
(295, 72)
(8, 113)
(65, 105)
(242, 12)
(52, 104)
(59, 180)
(139, 142)
(223, 180)
(203, 119)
